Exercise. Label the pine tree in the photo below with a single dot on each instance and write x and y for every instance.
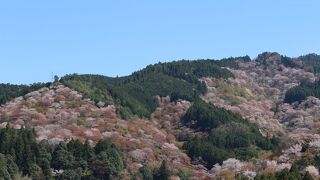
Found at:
(163, 172)
(3, 168)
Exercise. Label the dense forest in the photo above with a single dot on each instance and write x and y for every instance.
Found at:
(9, 91)
(297, 169)
(220, 133)
(21, 155)
(233, 62)
(311, 62)
(289, 62)
(285, 175)
(301, 92)
(134, 94)
(229, 135)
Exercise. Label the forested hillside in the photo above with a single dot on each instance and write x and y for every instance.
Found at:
(311, 62)
(59, 114)
(134, 94)
(301, 92)
(230, 136)
(10, 91)
(235, 118)
(21, 155)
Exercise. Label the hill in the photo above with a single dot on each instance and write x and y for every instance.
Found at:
(202, 119)
(10, 91)
(134, 94)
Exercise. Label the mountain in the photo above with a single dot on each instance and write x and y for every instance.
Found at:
(233, 118)
(135, 93)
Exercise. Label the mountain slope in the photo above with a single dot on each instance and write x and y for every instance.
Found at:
(135, 93)
(155, 115)
(60, 114)
(10, 91)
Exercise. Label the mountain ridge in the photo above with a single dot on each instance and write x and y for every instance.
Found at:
(144, 115)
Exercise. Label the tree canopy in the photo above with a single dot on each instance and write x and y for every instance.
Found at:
(134, 94)
(301, 92)
(19, 152)
(229, 135)
(10, 91)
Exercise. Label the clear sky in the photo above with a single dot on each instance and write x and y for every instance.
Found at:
(117, 37)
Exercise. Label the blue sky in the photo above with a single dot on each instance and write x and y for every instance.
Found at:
(39, 38)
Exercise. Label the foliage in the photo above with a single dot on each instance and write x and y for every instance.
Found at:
(305, 161)
(208, 117)
(71, 174)
(301, 92)
(134, 94)
(232, 62)
(21, 153)
(185, 173)
(229, 135)
(56, 79)
(62, 158)
(198, 147)
(230, 92)
(307, 176)
(109, 158)
(21, 145)
(289, 62)
(311, 62)
(296, 170)
(161, 173)
(9, 91)
(284, 175)
(146, 173)
(4, 173)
